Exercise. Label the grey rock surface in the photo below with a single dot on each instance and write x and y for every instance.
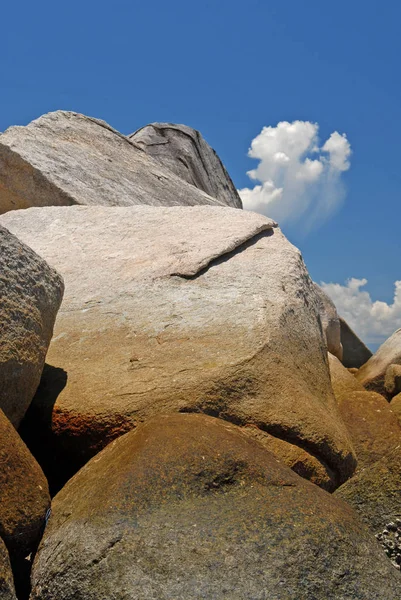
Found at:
(30, 295)
(355, 352)
(188, 507)
(330, 323)
(201, 319)
(372, 374)
(7, 590)
(184, 151)
(64, 158)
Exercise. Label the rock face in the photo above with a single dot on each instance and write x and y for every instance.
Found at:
(372, 425)
(184, 151)
(392, 380)
(187, 506)
(342, 380)
(375, 492)
(330, 323)
(372, 374)
(24, 493)
(65, 158)
(30, 295)
(202, 319)
(395, 406)
(7, 590)
(355, 353)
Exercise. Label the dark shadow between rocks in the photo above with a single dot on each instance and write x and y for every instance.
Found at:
(36, 426)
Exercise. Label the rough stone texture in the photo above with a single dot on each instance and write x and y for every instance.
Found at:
(355, 353)
(24, 494)
(375, 492)
(7, 590)
(395, 406)
(372, 374)
(341, 379)
(301, 462)
(30, 295)
(165, 310)
(373, 427)
(392, 380)
(185, 152)
(187, 507)
(330, 323)
(65, 158)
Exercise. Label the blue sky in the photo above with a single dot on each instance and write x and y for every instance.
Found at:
(229, 68)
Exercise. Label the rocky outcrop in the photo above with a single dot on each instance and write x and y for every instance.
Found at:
(330, 323)
(395, 406)
(184, 151)
(202, 319)
(187, 506)
(64, 158)
(7, 590)
(30, 295)
(372, 374)
(355, 353)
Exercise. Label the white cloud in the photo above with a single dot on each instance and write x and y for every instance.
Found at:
(297, 177)
(372, 321)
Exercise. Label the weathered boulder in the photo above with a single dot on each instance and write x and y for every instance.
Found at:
(24, 494)
(375, 492)
(395, 406)
(184, 151)
(330, 323)
(187, 506)
(372, 373)
(373, 427)
(355, 353)
(392, 380)
(342, 380)
(30, 295)
(167, 311)
(65, 158)
(7, 590)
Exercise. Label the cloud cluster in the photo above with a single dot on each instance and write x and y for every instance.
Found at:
(297, 177)
(372, 321)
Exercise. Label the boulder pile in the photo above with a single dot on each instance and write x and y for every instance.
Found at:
(194, 432)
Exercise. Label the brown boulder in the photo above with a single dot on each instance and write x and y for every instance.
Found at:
(342, 380)
(375, 492)
(395, 406)
(372, 425)
(330, 323)
(30, 295)
(392, 380)
(187, 506)
(24, 494)
(7, 590)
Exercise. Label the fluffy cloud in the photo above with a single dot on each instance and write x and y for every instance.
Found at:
(372, 321)
(297, 177)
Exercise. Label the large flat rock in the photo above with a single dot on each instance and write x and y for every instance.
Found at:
(30, 295)
(187, 506)
(165, 310)
(65, 158)
(185, 152)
